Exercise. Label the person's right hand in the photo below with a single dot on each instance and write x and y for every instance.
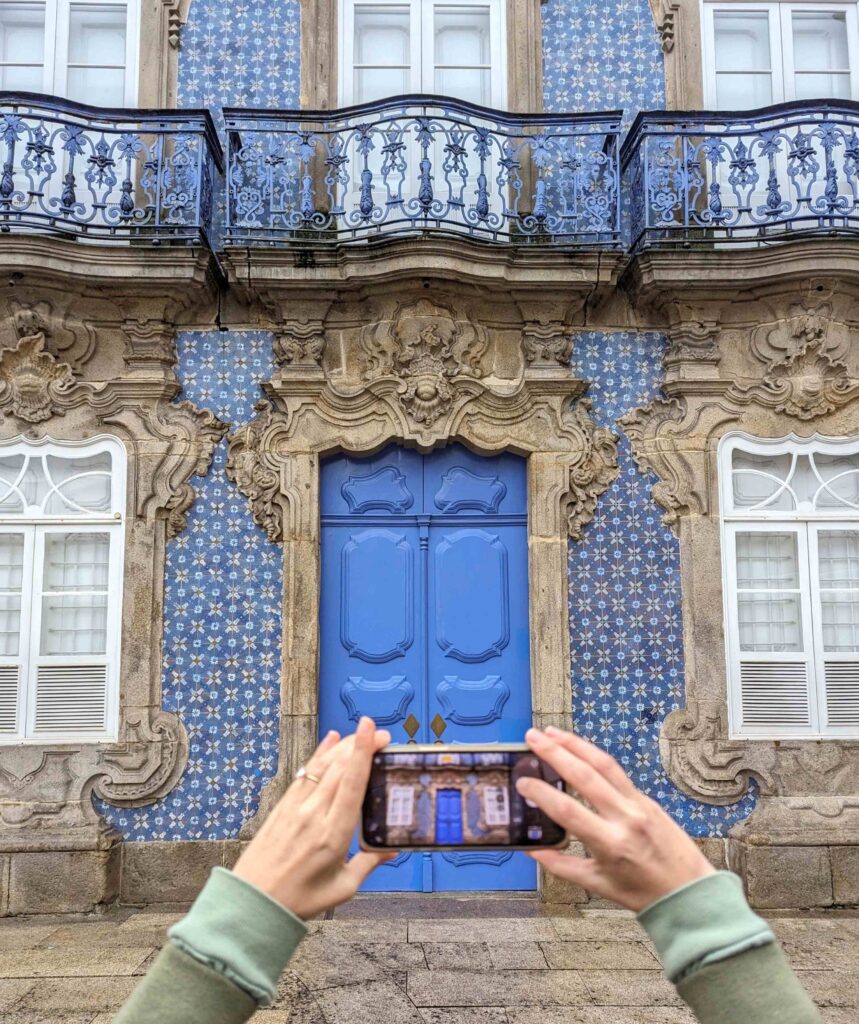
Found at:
(638, 854)
(299, 856)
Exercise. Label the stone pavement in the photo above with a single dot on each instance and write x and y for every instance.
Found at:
(416, 960)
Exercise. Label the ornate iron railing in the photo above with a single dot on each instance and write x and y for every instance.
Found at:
(422, 164)
(750, 177)
(75, 170)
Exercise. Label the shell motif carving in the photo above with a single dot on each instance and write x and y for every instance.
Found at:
(33, 381)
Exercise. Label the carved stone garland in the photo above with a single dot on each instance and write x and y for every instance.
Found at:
(808, 790)
(424, 382)
(46, 790)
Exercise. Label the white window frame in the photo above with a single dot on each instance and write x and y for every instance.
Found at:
(57, 22)
(781, 41)
(806, 524)
(421, 40)
(34, 530)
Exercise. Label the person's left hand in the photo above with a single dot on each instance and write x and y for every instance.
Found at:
(299, 856)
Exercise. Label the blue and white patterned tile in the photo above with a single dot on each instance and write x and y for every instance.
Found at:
(626, 626)
(222, 620)
(601, 55)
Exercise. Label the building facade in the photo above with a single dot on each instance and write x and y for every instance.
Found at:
(469, 365)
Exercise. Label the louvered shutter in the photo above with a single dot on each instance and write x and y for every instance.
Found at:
(835, 560)
(771, 636)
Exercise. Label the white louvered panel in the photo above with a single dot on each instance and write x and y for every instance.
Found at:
(71, 698)
(8, 700)
(774, 694)
(842, 692)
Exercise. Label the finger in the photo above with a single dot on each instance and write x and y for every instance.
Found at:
(582, 823)
(599, 759)
(363, 864)
(580, 870)
(346, 805)
(300, 789)
(584, 779)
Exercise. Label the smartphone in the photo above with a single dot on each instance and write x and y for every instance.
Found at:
(438, 797)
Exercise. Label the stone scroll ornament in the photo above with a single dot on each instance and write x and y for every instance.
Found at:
(48, 791)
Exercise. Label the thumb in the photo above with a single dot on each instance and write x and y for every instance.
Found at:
(362, 864)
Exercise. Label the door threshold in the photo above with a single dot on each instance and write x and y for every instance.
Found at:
(467, 894)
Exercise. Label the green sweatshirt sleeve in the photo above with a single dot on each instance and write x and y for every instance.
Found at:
(222, 960)
(723, 957)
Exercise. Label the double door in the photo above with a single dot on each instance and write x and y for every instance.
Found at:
(424, 623)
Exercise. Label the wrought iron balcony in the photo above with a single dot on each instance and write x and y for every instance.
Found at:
(75, 170)
(418, 165)
(751, 177)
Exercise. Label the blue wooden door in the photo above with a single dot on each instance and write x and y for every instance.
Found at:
(424, 622)
(448, 816)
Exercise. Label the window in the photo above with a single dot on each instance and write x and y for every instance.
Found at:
(82, 51)
(401, 807)
(759, 54)
(61, 541)
(790, 548)
(391, 49)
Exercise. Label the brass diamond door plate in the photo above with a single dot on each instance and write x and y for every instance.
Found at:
(438, 725)
(411, 725)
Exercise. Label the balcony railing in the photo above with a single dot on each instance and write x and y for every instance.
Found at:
(76, 170)
(422, 165)
(750, 177)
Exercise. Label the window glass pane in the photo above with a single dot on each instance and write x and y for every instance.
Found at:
(34, 484)
(97, 35)
(22, 33)
(758, 480)
(767, 561)
(822, 86)
(742, 41)
(462, 36)
(835, 481)
(769, 622)
(107, 84)
(378, 83)
(743, 92)
(11, 499)
(838, 553)
(82, 484)
(76, 561)
(467, 84)
(382, 35)
(820, 41)
(74, 624)
(11, 581)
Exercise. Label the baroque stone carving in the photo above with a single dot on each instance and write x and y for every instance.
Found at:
(149, 344)
(423, 350)
(301, 344)
(45, 795)
(665, 13)
(32, 381)
(547, 344)
(423, 376)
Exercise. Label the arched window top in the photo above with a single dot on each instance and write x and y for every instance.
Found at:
(57, 479)
(789, 478)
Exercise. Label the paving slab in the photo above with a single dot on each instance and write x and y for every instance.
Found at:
(522, 956)
(577, 956)
(65, 995)
(489, 988)
(377, 1002)
(361, 930)
(598, 929)
(26, 936)
(464, 930)
(50, 1018)
(831, 988)
(465, 1015)
(73, 962)
(601, 1015)
(13, 990)
(320, 962)
(630, 988)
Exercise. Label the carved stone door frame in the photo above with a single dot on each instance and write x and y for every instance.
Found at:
(423, 394)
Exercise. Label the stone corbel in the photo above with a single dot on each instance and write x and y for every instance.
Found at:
(161, 38)
(150, 347)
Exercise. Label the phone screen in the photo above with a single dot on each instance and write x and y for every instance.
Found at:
(441, 798)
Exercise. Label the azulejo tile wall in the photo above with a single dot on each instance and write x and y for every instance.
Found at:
(626, 627)
(601, 55)
(222, 619)
(240, 54)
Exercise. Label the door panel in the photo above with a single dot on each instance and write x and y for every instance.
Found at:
(424, 623)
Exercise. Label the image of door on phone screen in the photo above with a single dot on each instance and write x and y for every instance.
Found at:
(427, 799)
